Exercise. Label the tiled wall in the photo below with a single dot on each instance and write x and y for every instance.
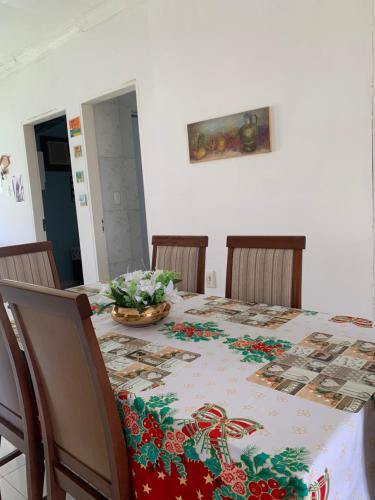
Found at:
(121, 184)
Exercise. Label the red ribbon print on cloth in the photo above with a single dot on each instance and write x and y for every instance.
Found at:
(213, 427)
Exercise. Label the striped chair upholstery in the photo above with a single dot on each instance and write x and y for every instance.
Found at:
(31, 263)
(183, 254)
(265, 270)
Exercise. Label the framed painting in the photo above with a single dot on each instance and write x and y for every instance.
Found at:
(229, 136)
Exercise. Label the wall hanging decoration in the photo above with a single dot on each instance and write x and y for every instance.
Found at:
(80, 177)
(77, 151)
(230, 136)
(82, 200)
(75, 126)
(18, 191)
(5, 178)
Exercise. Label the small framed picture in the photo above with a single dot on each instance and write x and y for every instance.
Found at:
(80, 176)
(77, 151)
(83, 200)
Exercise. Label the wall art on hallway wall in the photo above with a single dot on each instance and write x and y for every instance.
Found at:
(5, 178)
(75, 126)
(80, 176)
(83, 200)
(18, 190)
(230, 136)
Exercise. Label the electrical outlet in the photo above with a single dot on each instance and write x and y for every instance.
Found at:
(210, 279)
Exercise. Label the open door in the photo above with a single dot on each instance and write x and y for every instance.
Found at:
(116, 183)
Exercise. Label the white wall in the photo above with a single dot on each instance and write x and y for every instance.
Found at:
(310, 61)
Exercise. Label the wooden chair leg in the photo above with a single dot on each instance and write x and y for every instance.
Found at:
(35, 474)
(54, 492)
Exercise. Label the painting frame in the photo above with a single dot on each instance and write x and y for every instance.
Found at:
(230, 136)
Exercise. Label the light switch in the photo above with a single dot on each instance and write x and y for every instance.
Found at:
(210, 279)
(117, 198)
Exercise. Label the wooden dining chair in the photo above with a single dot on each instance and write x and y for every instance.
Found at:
(84, 447)
(183, 254)
(30, 263)
(265, 269)
(18, 412)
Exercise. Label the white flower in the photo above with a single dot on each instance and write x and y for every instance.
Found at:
(172, 293)
(141, 287)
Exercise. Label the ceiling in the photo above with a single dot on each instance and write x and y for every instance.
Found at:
(31, 28)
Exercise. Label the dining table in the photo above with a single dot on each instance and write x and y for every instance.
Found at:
(225, 399)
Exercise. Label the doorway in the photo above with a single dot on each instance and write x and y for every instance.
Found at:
(60, 216)
(115, 132)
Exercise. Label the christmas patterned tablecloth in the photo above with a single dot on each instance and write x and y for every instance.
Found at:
(225, 400)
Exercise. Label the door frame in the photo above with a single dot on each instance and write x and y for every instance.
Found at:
(34, 171)
(93, 169)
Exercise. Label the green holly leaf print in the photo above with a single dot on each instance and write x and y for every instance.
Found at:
(179, 465)
(299, 487)
(162, 400)
(213, 466)
(152, 453)
(291, 460)
(139, 405)
(190, 453)
(225, 492)
(166, 462)
(310, 313)
(260, 459)
(141, 459)
(164, 411)
(266, 474)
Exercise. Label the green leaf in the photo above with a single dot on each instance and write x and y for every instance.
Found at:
(260, 459)
(152, 453)
(249, 464)
(164, 411)
(139, 405)
(191, 453)
(225, 492)
(162, 400)
(168, 421)
(213, 466)
(299, 487)
(179, 465)
(167, 462)
(281, 469)
(266, 474)
(141, 459)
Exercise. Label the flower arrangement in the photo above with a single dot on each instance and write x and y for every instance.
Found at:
(141, 289)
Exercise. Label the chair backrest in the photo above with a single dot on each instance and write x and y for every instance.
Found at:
(80, 424)
(265, 269)
(18, 415)
(184, 254)
(10, 408)
(30, 263)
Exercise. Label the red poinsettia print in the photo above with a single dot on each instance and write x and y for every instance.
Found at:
(195, 332)
(175, 441)
(234, 476)
(266, 490)
(259, 349)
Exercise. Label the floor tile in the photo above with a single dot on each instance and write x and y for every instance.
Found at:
(17, 479)
(8, 492)
(5, 447)
(12, 466)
